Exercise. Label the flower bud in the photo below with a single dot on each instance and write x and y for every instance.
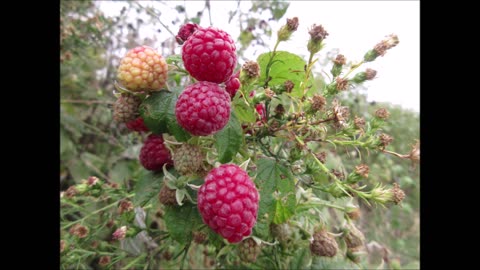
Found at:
(323, 244)
(359, 122)
(382, 113)
(338, 65)
(120, 233)
(79, 230)
(317, 35)
(286, 31)
(368, 74)
(362, 170)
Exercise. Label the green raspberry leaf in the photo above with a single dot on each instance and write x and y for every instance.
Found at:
(244, 113)
(277, 191)
(158, 113)
(147, 187)
(229, 139)
(182, 221)
(285, 66)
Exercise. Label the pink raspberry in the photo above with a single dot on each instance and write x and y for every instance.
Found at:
(154, 154)
(233, 84)
(142, 69)
(137, 125)
(185, 32)
(203, 108)
(209, 55)
(228, 202)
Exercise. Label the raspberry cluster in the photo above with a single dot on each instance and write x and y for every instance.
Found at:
(209, 56)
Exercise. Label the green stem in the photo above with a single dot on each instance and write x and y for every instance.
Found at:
(133, 262)
(353, 68)
(270, 63)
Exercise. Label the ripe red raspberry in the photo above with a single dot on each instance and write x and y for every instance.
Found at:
(154, 154)
(203, 108)
(185, 32)
(209, 55)
(228, 202)
(142, 69)
(137, 125)
(233, 84)
(126, 108)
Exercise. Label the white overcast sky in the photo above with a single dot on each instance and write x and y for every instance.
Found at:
(354, 27)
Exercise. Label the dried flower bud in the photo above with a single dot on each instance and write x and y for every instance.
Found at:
(92, 180)
(359, 122)
(394, 195)
(340, 60)
(342, 84)
(120, 233)
(338, 65)
(340, 114)
(391, 41)
(251, 69)
(370, 73)
(414, 155)
(71, 192)
(323, 244)
(322, 157)
(385, 140)
(292, 24)
(104, 260)
(318, 102)
(354, 238)
(317, 35)
(79, 230)
(286, 30)
(289, 86)
(125, 206)
(362, 170)
(199, 237)
(381, 48)
(398, 194)
(382, 113)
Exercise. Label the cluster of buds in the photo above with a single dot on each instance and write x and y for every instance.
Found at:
(381, 48)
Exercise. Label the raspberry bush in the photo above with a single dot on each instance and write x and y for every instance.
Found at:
(258, 163)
